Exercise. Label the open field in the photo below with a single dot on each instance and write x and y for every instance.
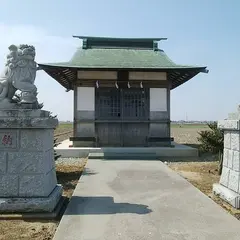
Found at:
(63, 131)
(193, 125)
(187, 134)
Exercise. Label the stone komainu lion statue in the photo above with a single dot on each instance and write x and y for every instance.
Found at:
(19, 74)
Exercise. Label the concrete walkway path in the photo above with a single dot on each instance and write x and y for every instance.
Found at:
(141, 200)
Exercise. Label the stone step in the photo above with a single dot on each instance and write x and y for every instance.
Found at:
(123, 155)
(177, 150)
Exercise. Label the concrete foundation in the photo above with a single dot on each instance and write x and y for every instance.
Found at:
(35, 204)
(176, 150)
(227, 195)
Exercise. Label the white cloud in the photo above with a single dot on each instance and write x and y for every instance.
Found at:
(48, 49)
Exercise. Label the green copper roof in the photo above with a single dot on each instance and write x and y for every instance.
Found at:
(120, 58)
(115, 53)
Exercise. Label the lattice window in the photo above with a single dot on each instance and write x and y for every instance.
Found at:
(135, 104)
(122, 104)
(108, 104)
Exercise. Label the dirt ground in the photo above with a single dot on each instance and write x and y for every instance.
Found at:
(68, 176)
(202, 172)
(202, 175)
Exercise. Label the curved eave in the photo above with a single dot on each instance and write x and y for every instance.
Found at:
(63, 75)
(178, 77)
(67, 75)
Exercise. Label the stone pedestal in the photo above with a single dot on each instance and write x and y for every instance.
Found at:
(229, 185)
(27, 169)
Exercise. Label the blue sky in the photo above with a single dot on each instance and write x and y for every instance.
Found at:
(199, 33)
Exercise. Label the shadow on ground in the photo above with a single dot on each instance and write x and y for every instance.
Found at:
(103, 205)
(87, 171)
(192, 145)
(66, 179)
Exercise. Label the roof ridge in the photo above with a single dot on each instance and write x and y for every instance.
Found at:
(119, 38)
(111, 42)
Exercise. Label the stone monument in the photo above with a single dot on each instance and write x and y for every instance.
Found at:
(229, 185)
(27, 169)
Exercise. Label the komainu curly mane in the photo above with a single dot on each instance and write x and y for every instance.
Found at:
(19, 74)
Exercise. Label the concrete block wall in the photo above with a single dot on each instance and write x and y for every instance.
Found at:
(27, 166)
(230, 176)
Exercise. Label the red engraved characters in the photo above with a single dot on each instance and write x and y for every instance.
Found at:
(7, 140)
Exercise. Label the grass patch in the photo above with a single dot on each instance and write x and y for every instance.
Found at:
(62, 128)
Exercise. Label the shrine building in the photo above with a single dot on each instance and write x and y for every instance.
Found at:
(121, 91)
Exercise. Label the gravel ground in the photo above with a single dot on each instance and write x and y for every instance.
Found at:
(70, 161)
